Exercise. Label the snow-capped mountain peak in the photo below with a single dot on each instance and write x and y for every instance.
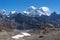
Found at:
(37, 11)
(26, 12)
(44, 8)
(2, 12)
(13, 12)
(30, 10)
(33, 7)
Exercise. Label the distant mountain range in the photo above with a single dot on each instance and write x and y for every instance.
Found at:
(30, 18)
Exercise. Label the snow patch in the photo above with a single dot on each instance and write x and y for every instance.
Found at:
(17, 36)
(24, 34)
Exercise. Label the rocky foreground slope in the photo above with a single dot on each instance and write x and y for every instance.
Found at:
(52, 34)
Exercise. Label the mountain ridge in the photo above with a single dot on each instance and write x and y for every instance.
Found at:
(23, 21)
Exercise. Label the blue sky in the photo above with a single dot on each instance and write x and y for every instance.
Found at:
(21, 5)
